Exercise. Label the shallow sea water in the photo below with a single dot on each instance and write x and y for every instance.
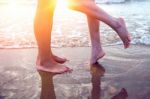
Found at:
(70, 27)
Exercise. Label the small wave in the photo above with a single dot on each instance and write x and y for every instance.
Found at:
(110, 1)
(117, 1)
(16, 31)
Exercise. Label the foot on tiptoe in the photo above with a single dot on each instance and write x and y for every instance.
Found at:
(96, 55)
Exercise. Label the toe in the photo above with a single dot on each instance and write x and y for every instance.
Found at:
(126, 44)
(66, 69)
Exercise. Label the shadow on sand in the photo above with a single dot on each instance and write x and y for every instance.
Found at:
(97, 71)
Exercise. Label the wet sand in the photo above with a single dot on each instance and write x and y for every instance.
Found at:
(128, 70)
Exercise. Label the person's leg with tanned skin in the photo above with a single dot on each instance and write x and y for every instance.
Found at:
(46, 61)
(90, 8)
(52, 7)
(94, 28)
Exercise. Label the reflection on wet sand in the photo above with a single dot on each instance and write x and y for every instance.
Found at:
(121, 95)
(97, 72)
(47, 90)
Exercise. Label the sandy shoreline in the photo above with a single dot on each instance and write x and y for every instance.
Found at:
(129, 69)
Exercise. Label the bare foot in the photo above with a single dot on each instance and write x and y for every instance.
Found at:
(123, 32)
(52, 67)
(96, 55)
(59, 59)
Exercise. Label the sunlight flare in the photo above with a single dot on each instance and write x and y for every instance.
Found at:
(14, 9)
(62, 4)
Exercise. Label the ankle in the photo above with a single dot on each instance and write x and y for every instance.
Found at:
(44, 59)
(97, 48)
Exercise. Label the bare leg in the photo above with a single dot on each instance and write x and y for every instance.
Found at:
(97, 51)
(43, 27)
(94, 28)
(90, 8)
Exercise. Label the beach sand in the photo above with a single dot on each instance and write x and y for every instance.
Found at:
(128, 69)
